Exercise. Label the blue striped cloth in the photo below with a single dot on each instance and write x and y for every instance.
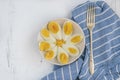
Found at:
(106, 47)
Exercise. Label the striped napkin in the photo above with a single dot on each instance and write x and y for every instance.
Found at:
(106, 47)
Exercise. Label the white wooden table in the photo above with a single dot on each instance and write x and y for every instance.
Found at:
(20, 22)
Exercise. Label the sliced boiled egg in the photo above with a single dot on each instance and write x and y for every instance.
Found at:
(55, 29)
(62, 56)
(75, 39)
(51, 53)
(71, 49)
(67, 29)
(45, 45)
(46, 35)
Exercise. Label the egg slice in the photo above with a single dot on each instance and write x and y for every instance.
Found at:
(51, 53)
(62, 56)
(45, 45)
(75, 39)
(55, 29)
(46, 35)
(67, 29)
(71, 50)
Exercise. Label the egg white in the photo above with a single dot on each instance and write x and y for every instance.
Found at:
(52, 45)
(72, 43)
(65, 37)
(50, 38)
(55, 50)
(57, 35)
(61, 50)
(67, 46)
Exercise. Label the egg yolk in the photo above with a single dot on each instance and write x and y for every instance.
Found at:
(76, 39)
(53, 27)
(59, 43)
(45, 33)
(43, 46)
(72, 50)
(63, 58)
(68, 28)
(49, 55)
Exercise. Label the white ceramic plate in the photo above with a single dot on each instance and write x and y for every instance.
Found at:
(81, 45)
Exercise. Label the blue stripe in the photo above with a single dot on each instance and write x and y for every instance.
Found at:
(77, 12)
(99, 25)
(104, 31)
(114, 61)
(114, 73)
(103, 39)
(117, 45)
(103, 23)
(106, 55)
(85, 64)
(112, 18)
(80, 63)
(105, 15)
(100, 75)
(100, 3)
(106, 63)
(119, 68)
(113, 50)
(73, 71)
(81, 18)
(105, 46)
(106, 39)
(66, 73)
(51, 76)
(113, 25)
(86, 76)
(109, 76)
(59, 74)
